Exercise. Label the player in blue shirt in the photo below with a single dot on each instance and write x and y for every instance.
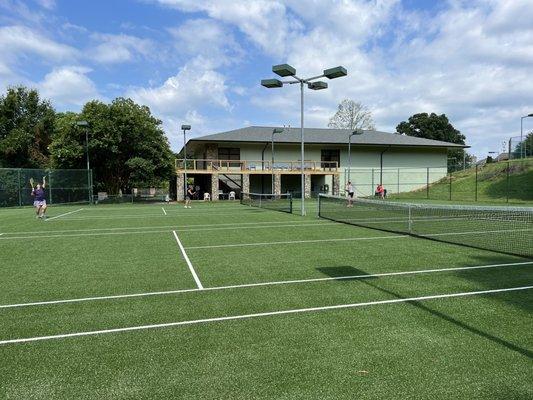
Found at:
(39, 198)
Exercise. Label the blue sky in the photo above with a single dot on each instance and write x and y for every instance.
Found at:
(200, 62)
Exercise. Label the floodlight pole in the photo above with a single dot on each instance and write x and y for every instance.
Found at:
(274, 131)
(355, 132)
(285, 70)
(185, 128)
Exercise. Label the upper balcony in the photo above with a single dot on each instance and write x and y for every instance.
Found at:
(256, 167)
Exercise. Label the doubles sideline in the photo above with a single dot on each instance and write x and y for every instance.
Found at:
(62, 215)
(272, 283)
(263, 314)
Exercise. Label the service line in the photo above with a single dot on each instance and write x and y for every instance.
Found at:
(263, 314)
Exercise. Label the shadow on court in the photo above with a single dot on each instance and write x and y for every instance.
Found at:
(345, 271)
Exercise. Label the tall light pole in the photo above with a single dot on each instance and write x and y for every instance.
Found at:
(285, 70)
(356, 132)
(274, 131)
(522, 146)
(185, 128)
(85, 125)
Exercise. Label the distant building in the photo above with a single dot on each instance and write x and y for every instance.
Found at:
(241, 160)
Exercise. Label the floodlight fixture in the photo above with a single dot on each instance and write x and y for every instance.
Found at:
(319, 85)
(271, 83)
(186, 127)
(284, 70)
(277, 130)
(82, 123)
(336, 72)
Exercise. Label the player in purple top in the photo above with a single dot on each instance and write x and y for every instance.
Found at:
(39, 198)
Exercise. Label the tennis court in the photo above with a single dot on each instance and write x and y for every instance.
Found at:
(230, 301)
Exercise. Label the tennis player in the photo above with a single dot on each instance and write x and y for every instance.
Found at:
(350, 190)
(189, 196)
(39, 198)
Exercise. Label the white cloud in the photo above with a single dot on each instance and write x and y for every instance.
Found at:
(19, 41)
(48, 4)
(209, 39)
(264, 22)
(69, 86)
(119, 48)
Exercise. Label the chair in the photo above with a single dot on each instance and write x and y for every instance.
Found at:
(207, 196)
(231, 195)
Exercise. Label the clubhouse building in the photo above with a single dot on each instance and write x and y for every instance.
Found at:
(242, 160)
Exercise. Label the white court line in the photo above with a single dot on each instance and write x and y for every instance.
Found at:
(273, 283)
(217, 246)
(150, 230)
(186, 257)
(263, 314)
(62, 215)
(164, 212)
(179, 227)
(107, 217)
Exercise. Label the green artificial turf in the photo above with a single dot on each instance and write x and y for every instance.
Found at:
(476, 347)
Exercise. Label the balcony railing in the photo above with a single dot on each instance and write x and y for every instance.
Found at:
(255, 165)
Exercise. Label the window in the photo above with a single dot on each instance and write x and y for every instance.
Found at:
(328, 156)
(227, 153)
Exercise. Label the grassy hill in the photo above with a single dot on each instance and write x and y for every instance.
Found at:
(504, 182)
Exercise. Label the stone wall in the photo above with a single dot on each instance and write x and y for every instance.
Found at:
(245, 184)
(214, 187)
(335, 184)
(277, 183)
(307, 186)
(180, 185)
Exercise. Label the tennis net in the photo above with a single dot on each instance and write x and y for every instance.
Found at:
(506, 230)
(276, 202)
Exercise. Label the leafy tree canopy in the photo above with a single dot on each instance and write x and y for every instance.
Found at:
(127, 146)
(431, 126)
(26, 128)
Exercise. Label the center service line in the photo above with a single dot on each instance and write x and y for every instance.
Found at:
(186, 257)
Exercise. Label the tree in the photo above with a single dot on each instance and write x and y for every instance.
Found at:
(352, 115)
(26, 128)
(436, 127)
(127, 146)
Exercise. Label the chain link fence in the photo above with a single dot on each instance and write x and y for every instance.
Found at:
(62, 186)
(521, 147)
(504, 181)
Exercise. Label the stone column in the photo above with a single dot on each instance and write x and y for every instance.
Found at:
(245, 184)
(307, 185)
(277, 183)
(214, 187)
(180, 185)
(335, 181)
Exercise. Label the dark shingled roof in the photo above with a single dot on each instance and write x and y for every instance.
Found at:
(263, 134)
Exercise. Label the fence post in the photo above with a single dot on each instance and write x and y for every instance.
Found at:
(50, 186)
(475, 190)
(398, 180)
(18, 187)
(450, 185)
(372, 188)
(508, 182)
(427, 183)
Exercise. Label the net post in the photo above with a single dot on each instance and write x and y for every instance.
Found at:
(50, 186)
(398, 181)
(319, 204)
